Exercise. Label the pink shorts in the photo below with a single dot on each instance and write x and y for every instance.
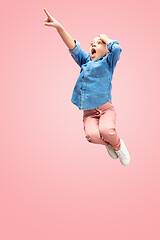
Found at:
(100, 126)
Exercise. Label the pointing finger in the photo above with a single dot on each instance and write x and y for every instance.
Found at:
(47, 12)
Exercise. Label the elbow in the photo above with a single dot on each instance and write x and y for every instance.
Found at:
(117, 50)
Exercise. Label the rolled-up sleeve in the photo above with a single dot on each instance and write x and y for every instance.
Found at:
(114, 55)
(78, 54)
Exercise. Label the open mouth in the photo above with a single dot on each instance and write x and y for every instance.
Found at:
(93, 52)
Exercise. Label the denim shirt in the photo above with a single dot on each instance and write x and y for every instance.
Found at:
(93, 86)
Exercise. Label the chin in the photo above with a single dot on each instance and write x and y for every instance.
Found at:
(95, 58)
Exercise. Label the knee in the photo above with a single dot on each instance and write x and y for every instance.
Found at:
(111, 131)
(107, 131)
(92, 137)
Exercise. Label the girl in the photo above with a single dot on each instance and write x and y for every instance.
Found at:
(92, 91)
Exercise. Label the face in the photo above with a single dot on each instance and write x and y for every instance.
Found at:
(97, 49)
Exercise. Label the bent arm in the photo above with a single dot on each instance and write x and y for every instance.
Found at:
(68, 40)
(114, 55)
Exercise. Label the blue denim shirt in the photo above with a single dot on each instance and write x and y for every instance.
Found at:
(93, 86)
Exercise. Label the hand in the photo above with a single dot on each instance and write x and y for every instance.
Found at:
(104, 38)
(50, 21)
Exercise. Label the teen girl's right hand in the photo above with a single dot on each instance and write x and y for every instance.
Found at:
(50, 21)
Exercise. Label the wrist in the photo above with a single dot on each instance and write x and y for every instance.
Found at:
(59, 26)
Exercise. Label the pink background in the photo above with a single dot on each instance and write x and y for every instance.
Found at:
(53, 183)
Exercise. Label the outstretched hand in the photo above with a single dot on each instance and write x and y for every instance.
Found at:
(50, 21)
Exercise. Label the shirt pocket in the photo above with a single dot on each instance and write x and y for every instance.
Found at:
(99, 70)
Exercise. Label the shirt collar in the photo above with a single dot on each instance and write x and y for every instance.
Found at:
(96, 59)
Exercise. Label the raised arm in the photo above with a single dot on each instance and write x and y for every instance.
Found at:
(113, 48)
(68, 40)
(51, 22)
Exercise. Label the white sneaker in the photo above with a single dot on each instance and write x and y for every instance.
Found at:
(123, 154)
(111, 151)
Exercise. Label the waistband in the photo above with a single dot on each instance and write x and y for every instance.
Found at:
(101, 107)
(98, 109)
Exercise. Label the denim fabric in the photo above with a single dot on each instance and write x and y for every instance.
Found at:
(93, 86)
